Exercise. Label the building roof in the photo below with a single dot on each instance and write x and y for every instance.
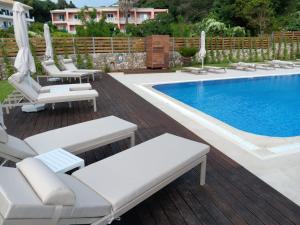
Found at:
(10, 3)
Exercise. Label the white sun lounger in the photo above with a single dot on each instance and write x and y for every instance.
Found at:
(193, 70)
(32, 194)
(76, 138)
(282, 64)
(215, 69)
(34, 97)
(59, 88)
(53, 72)
(70, 66)
(243, 66)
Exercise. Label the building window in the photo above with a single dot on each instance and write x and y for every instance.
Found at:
(61, 17)
(76, 17)
(109, 15)
(144, 16)
(5, 24)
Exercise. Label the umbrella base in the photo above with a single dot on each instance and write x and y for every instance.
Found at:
(33, 108)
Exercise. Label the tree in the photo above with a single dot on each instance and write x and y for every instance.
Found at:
(62, 4)
(125, 6)
(259, 14)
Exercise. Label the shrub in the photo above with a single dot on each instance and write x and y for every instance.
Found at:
(89, 61)
(9, 69)
(188, 51)
(298, 48)
(273, 50)
(285, 50)
(292, 51)
(106, 68)
(279, 49)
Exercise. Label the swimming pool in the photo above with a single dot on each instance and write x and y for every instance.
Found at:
(268, 106)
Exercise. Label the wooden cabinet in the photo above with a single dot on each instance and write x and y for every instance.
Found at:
(158, 47)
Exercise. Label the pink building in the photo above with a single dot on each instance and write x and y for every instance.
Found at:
(68, 19)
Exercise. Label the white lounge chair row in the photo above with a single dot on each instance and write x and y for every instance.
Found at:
(71, 71)
(243, 66)
(33, 93)
(32, 194)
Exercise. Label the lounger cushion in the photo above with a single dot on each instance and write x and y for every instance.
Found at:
(124, 177)
(16, 148)
(50, 67)
(82, 136)
(65, 97)
(3, 135)
(65, 88)
(50, 189)
(87, 203)
(17, 199)
(49, 62)
(67, 60)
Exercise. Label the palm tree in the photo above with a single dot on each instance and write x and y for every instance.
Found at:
(125, 6)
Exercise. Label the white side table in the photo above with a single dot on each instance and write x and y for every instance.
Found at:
(61, 161)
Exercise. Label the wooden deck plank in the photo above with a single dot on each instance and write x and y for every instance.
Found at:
(232, 194)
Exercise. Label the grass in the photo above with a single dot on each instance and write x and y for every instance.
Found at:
(5, 89)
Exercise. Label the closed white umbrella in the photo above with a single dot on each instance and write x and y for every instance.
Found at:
(24, 61)
(49, 49)
(202, 51)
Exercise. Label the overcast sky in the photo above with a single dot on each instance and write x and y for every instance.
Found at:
(95, 3)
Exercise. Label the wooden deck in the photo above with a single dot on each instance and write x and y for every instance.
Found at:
(232, 195)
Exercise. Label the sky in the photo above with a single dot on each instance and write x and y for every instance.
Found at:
(95, 3)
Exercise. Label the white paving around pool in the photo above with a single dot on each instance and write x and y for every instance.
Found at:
(277, 164)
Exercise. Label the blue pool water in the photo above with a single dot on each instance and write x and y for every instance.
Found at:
(267, 106)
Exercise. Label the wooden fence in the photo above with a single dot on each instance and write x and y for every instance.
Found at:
(64, 46)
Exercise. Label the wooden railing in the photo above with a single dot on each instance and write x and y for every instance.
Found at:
(69, 45)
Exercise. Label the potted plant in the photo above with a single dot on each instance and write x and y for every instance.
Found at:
(187, 54)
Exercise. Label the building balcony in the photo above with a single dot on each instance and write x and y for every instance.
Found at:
(10, 17)
(112, 20)
(74, 22)
(130, 20)
(59, 21)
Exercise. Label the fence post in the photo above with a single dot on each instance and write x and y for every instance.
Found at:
(112, 45)
(129, 45)
(173, 39)
(94, 50)
(74, 48)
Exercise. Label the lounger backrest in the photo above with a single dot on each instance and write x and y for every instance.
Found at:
(24, 87)
(50, 67)
(3, 135)
(20, 201)
(35, 85)
(13, 148)
(68, 64)
(1, 117)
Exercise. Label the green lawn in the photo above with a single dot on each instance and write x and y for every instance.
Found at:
(5, 89)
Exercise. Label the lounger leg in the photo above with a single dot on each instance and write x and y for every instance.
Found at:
(132, 140)
(203, 172)
(5, 161)
(95, 105)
